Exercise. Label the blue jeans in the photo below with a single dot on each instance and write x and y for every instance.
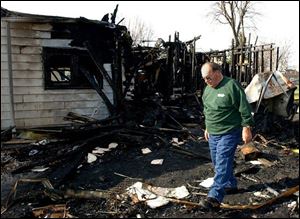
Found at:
(222, 149)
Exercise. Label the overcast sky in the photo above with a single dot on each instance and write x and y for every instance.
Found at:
(279, 22)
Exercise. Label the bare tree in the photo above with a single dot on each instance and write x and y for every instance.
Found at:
(238, 14)
(139, 31)
(285, 53)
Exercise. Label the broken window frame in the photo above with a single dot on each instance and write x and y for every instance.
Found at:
(77, 79)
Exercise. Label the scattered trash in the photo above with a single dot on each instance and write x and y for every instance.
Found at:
(155, 196)
(207, 183)
(265, 162)
(52, 211)
(99, 150)
(33, 152)
(39, 169)
(255, 162)
(157, 162)
(91, 158)
(146, 150)
(178, 192)
(261, 195)
(113, 145)
(273, 191)
(175, 140)
(42, 142)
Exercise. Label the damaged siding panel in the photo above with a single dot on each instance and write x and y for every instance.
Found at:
(22, 58)
(40, 90)
(59, 97)
(35, 106)
(6, 104)
(39, 121)
(14, 49)
(38, 106)
(26, 114)
(27, 74)
(27, 33)
(31, 26)
(4, 89)
(31, 50)
(56, 43)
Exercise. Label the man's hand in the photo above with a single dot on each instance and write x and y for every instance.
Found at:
(206, 135)
(247, 135)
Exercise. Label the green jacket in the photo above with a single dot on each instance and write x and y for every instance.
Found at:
(226, 107)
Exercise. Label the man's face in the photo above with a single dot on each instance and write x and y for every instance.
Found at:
(211, 78)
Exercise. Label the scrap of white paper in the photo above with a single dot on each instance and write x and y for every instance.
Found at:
(207, 183)
(157, 162)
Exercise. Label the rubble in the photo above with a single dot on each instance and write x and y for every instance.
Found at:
(154, 135)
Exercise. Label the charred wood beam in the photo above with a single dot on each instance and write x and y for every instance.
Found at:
(189, 153)
(99, 65)
(103, 121)
(69, 168)
(92, 81)
(82, 118)
(117, 71)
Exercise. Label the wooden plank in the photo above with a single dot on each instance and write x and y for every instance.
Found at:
(4, 65)
(3, 41)
(31, 50)
(4, 74)
(80, 104)
(5, 98)
(3, 31)
(18, 41)
(18, 99)
(50, 113)
(26, 33)
(27, 82)
(30, 26)
(41, 90)
(39, 106)
(14, 49)
(44, 27)
(22, 58)
(59, 97)
(4, 82)
(18, 141)
(5, 107)
(5, 89)
(27, 66)
(44, 121)
(3, 24)
(56, 42)
(27, 74)
(26, 58)
(40, 113)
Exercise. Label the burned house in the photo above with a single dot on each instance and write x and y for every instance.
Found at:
(55, 65)
(52, 66)
(44, 60)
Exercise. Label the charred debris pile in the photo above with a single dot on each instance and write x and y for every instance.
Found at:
(156, 102)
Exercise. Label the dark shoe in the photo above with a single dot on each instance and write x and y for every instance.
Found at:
(230, 191)
(210, 203)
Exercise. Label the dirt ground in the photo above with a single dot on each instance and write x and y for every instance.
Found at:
(177, 169)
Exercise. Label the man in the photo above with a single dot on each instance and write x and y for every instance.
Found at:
(227, 114)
